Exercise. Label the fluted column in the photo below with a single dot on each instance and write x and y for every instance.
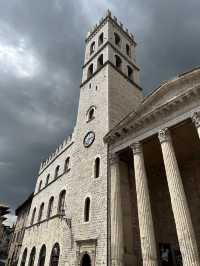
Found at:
(147, 236)
(184, 227)
(117, 243)
(196, 121)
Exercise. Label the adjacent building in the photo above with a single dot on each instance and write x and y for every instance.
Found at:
(5, 233)
(124, 188)
(22, 213)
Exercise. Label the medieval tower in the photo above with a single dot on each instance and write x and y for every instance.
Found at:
(69, 220)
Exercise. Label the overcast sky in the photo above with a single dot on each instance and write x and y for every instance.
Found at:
(41, 53)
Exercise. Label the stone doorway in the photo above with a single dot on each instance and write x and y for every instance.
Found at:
(86, 261)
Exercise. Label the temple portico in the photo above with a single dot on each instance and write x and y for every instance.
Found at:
(159, 171)
(158, 177)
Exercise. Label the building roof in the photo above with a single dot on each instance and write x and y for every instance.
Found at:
(24, 204)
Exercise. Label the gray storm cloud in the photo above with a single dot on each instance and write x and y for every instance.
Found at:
(41, 53)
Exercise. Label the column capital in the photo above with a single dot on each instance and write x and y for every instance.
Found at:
(164, 135)
(196, 119)
(113, 158)
(136, 147)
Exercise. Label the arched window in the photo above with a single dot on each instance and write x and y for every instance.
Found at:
(100, 41)
(128, 51)
(50, 207)
(87, 210)
(90, 113)
(23, 261)
(47, 179)
(41, 212)
(90, 71)
(67, 167)
(56, 171)
(117, 39)
(32, 257)
(86, 261)
(33, 216)
(118, 62)
(40, 185)
(42, 256)
(92, 47)
(100, 61)
(130, 72)
(97, 167)
(55, 253)
(61, 203)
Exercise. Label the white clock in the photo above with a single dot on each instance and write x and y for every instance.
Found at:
(89, 139)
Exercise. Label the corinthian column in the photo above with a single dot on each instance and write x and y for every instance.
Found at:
(185, 232)
(196, 121)
(117, 243)
(147, 236)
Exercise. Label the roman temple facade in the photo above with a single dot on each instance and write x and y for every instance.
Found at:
(124, 188)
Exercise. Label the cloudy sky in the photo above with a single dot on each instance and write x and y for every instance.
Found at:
(41, 53)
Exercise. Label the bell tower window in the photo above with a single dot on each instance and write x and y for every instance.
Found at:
(130, 72)
(92, 48)
(118, 62)
(90, 71)
(100, 41)
(117, 39)
(100, 61)
(128, 51)
(90, 113)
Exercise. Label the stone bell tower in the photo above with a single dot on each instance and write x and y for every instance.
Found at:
(109, 91)
(110, 81)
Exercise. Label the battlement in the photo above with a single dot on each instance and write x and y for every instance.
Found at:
(102, 21)
(66, 143)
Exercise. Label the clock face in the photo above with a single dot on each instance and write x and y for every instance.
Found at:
(89, 139)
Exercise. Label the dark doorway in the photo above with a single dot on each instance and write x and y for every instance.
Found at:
(86, 261)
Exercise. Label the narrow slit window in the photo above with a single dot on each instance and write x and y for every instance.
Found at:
(97, 167)
(87, 210)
